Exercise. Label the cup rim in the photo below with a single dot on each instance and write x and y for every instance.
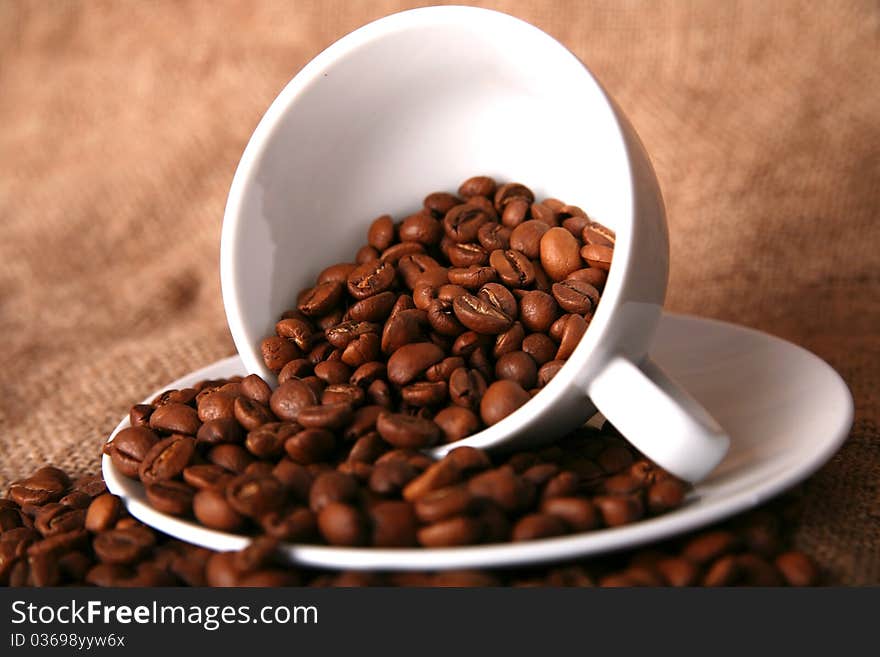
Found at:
(597, 332)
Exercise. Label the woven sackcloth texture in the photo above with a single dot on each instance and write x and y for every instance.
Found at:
(121, 124)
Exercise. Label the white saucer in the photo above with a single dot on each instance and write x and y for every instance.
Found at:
(786, 411)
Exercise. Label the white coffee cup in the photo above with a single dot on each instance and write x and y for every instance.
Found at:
(419, 101)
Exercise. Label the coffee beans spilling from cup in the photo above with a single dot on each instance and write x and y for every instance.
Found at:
(350, 475)
(57, 531)
(445, 322)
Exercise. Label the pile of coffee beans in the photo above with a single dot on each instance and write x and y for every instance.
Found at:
(58, 531)
(353, 476)
(455, 316)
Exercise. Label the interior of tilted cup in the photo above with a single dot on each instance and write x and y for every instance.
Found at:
(413, 103)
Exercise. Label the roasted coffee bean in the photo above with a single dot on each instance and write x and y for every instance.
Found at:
(477, 186)
(277, 352)
(565, 484)
(223, 430)
(709, 546)
(373, 309)
(233, 458)
(548, 370)
(544, 213)
(331, 319)
(468, 254)
(493, 236)
(515, 212)
(513, 267)
(267, 441)
(333, 371)
(250, 414)
(290, 398)
(368, 448)
(537, 525)
(402, 328)
(364, 375)
(411, 360)
(577, 513)
(560, 253)
(511, 340)
(665, 496)
(442, 318)
(175, 418)
(167, 459)
(590, 275)
(364, 422)
(576, 296)
(338, 272)
(517, 366)
(540, 347)
(462, 222)
(332, 486)
(206, 475)
(503, 487)
(371, 278)
(443, 370)
(343, 393)
(362, 350)
(473, 277)
(379, 393)
(500, 400)
(172, 497)
(382, 233)
(393, 254)
(723, 572)
(212, 509)
(344, 333)
(297, 526)
(342, 524)
(480, 315)
(424, 393)
(324, 297)
(298, 331)
(444, 503)
(460, 530)
(499, 297)
(325, 416)
(294, 477)
(468, 342)
(532, 468)
(573, 331)
(619, 509)
(55, 518)
(538, 310)
(457, 422)
(797, 569)
(394, 524)
(421, 228)
(597, 256)
(295, 369)
(139, 415)
(466, 388)
(123, 546)
(128, 448)
(389, 477)
(526, 238)
(366, 254)
(216, 405)
(437, 475)
(407, 430)
(309, 445)
(511, 191)
(253, 496)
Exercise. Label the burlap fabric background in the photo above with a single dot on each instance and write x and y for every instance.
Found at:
(121, 125)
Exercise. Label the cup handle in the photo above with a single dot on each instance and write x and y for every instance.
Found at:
(659, 418)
